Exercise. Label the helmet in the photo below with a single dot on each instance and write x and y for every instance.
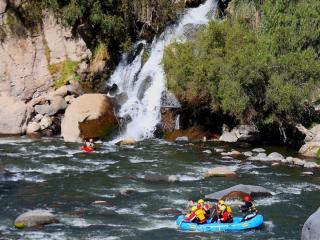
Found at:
(246, 198)
(223, 208)
(200, 201)
(193, 208)
(221, 202)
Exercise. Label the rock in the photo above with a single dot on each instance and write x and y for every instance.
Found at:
(75, 88)
(34, 218)
(310, 149)
(169, 100)
(228, 137)
(38, 117)
(89, 116)
(298, 162)
(61, 91)
(3, 6)
(160, 178)
(13, 115)
(275, 156)
(207, 151)
(311, 228)
(258, 150)
(182, 139)
(232, 153)
(57, 103)
(69, 99)
(62, 44)
(218, 150)
(100, 202)
(247, 154)
(126, 142)
(23, 66)
(260, 157)
(169, 211)
(238, 191)
(125, 193)
(247, 133)
(311, 165)
(219, 172)
(307, 173)
(33, 127)
(45, 122)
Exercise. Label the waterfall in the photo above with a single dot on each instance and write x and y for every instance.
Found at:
(177, 123)
(144, 84)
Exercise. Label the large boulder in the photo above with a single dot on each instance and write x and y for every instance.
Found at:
(13, 115)
(239, 191)
(57, 103)
(246, 133)
(88, 116)
(310, 149)
(312, 141)
(311, 228)
(219, 172)
(34, 218)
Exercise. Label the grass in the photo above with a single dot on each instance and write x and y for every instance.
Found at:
(66, 71)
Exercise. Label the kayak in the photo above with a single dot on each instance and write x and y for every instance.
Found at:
(86, 149)
(236, 225)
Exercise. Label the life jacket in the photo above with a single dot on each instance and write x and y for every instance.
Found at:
(228, 208)
(201, 215)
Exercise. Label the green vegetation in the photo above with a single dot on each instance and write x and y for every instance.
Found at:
(65, 71)
(257, 69)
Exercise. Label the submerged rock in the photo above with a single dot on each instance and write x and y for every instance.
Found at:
(88, 116)
(239, 191)
(34, 218)
(220, 172)
(126, 142)
(311, 228)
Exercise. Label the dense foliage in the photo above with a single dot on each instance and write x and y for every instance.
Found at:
(266, 71)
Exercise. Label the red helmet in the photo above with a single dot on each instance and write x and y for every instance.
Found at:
(247, 198)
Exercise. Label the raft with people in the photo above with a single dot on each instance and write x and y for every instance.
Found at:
(236, 225)
(202, 217)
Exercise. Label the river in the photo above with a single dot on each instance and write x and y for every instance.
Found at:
(51, 174)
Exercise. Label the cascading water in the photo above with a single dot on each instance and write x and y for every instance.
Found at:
(144, 84)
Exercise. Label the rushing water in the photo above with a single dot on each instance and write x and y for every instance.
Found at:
(51, 174)
(144, 84)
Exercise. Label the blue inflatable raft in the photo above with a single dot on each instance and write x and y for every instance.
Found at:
(236, 225)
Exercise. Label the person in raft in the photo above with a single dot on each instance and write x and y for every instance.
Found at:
(197, 215)
(206, 207)
(249, 208)
(219, 214)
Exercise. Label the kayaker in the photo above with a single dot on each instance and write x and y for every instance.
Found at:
(226, 216)
(249, 208)
(89, 144)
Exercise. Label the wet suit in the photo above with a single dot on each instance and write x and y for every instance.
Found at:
(250, 209)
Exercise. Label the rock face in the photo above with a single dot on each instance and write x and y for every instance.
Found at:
(239, 191)
(312, 145)
(311, 228)
(247, 133)
(219, 172)
(88, 116)
(35, 218)
(13, 115)
(61, 43)
(26, 57)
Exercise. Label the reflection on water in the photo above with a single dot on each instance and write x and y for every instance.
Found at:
(53, 175)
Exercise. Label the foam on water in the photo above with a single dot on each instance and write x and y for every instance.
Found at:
(157, 224)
